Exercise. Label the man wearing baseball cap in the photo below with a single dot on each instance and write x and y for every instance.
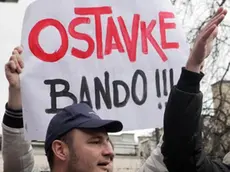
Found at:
(75, 133)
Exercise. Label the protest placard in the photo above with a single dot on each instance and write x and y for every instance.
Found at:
(122, 57)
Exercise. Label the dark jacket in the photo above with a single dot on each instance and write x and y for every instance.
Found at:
(182, 145)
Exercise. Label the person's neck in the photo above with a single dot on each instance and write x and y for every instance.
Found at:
(60, 168)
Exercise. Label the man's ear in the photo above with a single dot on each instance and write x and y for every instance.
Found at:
(60, 150)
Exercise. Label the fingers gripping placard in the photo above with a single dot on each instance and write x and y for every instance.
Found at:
(121, 57)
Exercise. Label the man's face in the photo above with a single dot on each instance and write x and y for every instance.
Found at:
(91, 151)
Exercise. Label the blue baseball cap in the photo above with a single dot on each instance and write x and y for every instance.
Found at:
(77, 116)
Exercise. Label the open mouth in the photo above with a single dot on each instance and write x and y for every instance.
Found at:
(103, 164)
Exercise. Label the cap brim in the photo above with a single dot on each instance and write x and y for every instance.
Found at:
(110, 126)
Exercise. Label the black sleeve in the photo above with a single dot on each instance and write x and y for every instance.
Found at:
(13, 118)
(182, 145)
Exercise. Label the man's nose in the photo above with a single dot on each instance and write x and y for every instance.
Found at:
(108, 151)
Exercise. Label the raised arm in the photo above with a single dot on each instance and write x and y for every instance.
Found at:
(182, 146)
(17, 152)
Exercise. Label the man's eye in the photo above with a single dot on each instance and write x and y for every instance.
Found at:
(95, 142)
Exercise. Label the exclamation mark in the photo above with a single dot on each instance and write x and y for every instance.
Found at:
(171, 78)
(165, 82)
(168, 83)
(158, 87)
(164, 75)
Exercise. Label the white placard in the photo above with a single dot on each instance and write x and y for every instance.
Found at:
(120, 56)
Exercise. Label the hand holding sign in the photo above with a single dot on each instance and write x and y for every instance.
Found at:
(203, 43)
